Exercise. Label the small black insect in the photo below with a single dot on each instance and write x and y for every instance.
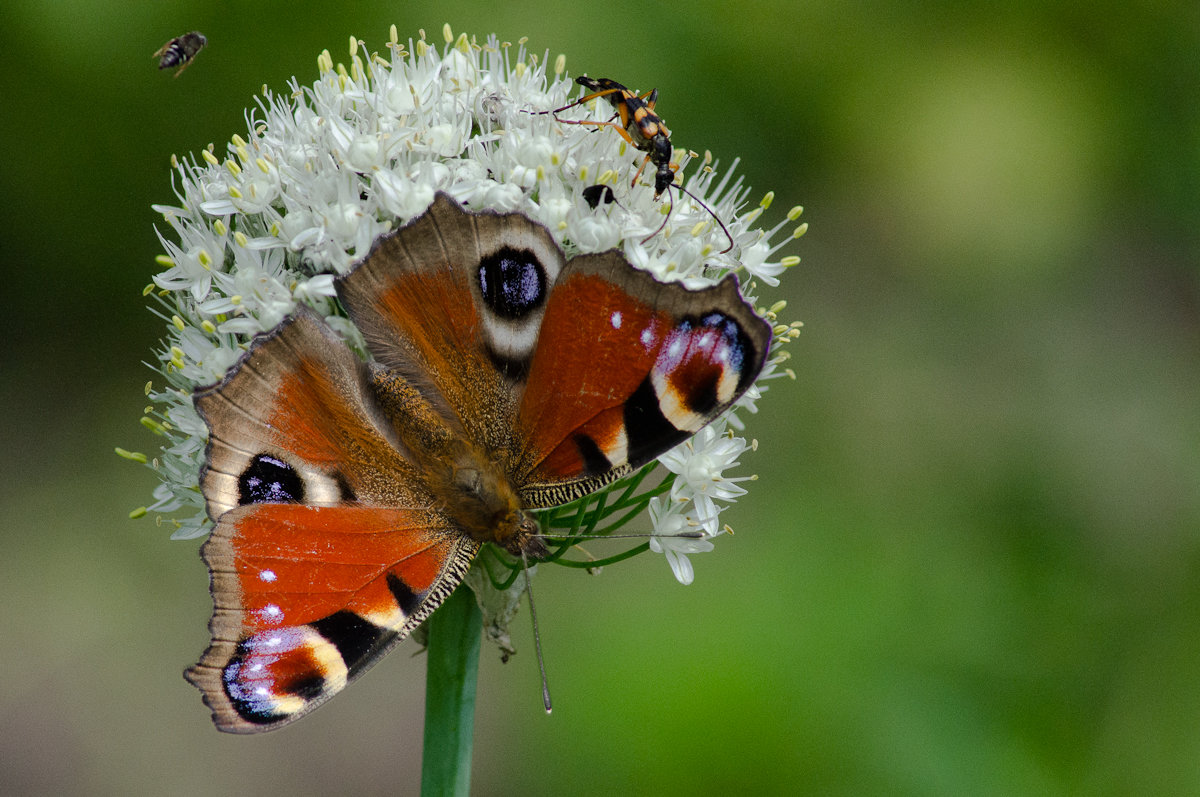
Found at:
(596, 194)
(180, 51)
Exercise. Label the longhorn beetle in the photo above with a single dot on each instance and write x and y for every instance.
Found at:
(644, 130)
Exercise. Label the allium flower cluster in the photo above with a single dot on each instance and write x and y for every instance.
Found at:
(268, 219)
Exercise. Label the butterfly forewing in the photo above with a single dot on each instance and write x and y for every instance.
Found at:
(307, 598)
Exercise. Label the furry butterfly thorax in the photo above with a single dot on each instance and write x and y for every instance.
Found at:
(350, 496)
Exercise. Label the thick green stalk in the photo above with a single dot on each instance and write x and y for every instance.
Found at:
(451, 670)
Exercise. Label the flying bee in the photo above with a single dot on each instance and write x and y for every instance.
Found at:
(180, 51)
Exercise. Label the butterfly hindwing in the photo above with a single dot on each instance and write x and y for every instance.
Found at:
(646, 364)
(297, 420)
(454, 300)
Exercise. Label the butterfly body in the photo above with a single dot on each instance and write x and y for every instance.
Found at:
(350, 497)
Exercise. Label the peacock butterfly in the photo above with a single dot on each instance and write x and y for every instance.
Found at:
(350, 497)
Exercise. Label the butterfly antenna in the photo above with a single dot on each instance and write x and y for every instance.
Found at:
(683, 535)
(537, 638)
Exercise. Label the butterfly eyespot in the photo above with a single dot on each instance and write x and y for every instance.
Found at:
(512, 282)
(267, 480)
(277, 673)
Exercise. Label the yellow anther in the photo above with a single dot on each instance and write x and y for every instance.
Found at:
(208, 326)
(560, 64)
(237, 141)
(795, 212)
(767, 199)
(153, 426)
(134, 456)
(211, 158)
(205, 259)
(233, 168)
(447, 34)
(219, 227)
(803, 228)
(789, 261)
(240, 238)
(393, 36)
(178, 322)
(164, 260)
(137, 513)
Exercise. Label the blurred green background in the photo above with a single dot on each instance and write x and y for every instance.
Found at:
(971, 562)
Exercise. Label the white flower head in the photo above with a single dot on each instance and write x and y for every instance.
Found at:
(266, 220)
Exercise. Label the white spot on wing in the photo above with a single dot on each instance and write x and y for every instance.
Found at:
(267, 575)
(616, 319)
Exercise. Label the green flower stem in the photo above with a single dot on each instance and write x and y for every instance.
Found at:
(451, 671)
